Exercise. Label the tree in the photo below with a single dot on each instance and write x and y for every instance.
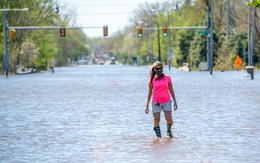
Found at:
(47, 41)
(28, 54)
(255, 3)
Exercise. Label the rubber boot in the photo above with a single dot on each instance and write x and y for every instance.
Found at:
(169, 131)
(157, 131)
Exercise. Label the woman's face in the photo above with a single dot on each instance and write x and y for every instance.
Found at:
(158, 70)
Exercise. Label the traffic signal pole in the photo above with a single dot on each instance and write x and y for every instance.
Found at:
(159, 44)
(6, 60)
(211, 36)
(6, 57)
(208, 39)
(168, 43)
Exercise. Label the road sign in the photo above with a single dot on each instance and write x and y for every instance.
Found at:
(237, 61)
(203, 32)
(169, 55)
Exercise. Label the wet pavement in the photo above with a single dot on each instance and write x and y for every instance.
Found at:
(95, 113)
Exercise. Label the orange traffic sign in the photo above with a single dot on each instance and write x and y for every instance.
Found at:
(237, 61)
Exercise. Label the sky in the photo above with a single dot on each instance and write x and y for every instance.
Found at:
(98, 13)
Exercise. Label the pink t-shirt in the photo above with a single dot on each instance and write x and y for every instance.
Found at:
(160, 90)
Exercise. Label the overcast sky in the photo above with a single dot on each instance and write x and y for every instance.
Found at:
(97, 13)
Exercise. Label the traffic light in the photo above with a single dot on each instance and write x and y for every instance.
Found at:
(140, 32)
(105, 31)
(115, 51)
(62, 32)
(165, 34)
(13, 34)
(209, 22)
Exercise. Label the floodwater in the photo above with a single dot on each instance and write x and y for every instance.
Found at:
(95, 113)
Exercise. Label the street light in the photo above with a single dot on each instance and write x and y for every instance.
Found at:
(56, 10)
(6, 60)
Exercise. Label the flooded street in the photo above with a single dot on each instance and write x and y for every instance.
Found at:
(95, 113)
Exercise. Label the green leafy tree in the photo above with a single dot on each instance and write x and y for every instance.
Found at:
(255, 3)
(198, 52)
(48, 45)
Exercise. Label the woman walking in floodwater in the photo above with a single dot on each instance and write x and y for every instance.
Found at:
(160, 89)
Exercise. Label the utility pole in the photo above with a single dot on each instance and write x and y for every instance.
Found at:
(168, 45)
(6, 60)
(211, 35)
(159, 44)
(250, 67)
(228, 12)
(251, 27)
(6, 57)
(249, 34)
(158, 36)
(208, 38)
(147, 54)
(139, 56)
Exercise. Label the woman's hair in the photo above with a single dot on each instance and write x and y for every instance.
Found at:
(152, 72)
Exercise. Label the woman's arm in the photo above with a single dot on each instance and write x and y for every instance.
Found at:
(150, 87)
(173, 95)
